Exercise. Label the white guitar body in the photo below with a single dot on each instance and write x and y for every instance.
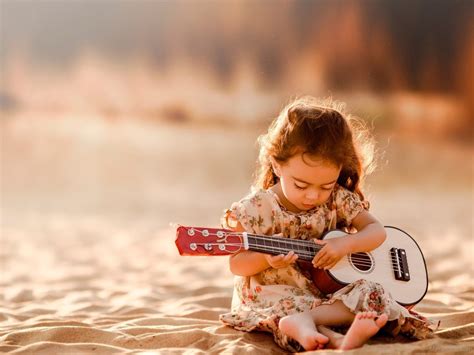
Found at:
(381, 266)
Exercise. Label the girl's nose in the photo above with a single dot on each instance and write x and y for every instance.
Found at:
(312, 195)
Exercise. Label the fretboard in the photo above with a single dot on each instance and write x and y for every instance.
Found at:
(305, 249)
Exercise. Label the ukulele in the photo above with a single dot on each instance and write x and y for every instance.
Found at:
(398, 263)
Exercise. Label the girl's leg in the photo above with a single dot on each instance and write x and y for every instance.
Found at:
(332, 314)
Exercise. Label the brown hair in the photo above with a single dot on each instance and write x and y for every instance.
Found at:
(319, 128)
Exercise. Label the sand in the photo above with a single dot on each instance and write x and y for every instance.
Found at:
(88, 261)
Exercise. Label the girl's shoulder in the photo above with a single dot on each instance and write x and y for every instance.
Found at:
(347, 204)
(258, 197)
(341, 194)
(254, 212)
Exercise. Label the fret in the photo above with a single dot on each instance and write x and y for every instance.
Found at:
(285, 245)
(278, 245)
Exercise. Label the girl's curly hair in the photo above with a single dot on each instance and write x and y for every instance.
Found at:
(321, 129)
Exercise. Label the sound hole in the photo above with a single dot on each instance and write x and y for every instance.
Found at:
(361, 261)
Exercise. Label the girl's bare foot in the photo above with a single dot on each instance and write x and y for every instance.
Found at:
(335, 338)
(364, 326)
(301, 327)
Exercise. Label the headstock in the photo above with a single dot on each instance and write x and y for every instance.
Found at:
(207, 241)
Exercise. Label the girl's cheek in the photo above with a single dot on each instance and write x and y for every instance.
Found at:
(298, 194)
(325, 196)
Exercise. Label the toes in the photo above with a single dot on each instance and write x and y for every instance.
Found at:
(314, 342)
(370, 315)
(381, 320)
(366, 315)
(321, 339)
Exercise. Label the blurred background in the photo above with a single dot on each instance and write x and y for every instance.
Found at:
(130, 115)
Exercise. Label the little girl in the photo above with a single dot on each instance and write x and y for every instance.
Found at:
(311, 164)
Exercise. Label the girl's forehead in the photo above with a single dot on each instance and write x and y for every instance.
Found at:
(311, 169)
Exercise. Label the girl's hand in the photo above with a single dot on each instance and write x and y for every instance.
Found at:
(279, 261)
(331, 252)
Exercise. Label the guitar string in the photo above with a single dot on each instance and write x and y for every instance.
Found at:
(360, 260)
(309, 244)
(299, 242)
(357, 262)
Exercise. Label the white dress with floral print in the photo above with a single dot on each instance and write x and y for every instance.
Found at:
(261, 300)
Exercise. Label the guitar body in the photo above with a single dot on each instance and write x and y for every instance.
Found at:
(377, 266)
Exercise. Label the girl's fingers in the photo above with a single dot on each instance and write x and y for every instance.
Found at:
(290, 258)
(318, 257)
(275, 260)
(330, 266)
(293, 259)
(281, 260)
(326, 261)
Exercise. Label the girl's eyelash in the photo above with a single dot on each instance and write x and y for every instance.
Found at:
(302, 188)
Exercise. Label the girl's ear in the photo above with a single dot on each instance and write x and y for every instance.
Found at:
(275, 167)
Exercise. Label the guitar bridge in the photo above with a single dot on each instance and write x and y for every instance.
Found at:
(400, 264)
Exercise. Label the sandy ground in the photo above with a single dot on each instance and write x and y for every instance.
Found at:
(88, 261)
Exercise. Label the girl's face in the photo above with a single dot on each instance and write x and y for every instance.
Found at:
(305, 181)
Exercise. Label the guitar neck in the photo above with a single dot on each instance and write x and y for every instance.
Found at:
(214, 241)
(306, 250)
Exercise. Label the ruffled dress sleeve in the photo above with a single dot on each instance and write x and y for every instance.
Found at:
(253, 212)
(348, 205)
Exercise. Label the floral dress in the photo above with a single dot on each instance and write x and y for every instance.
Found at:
(261, 300)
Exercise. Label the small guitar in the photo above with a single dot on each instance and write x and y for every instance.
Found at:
(398, 263)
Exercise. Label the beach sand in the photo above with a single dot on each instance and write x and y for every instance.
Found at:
(88, 260)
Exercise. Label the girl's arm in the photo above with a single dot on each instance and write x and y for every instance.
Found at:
(248, 263)
(370, 234)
